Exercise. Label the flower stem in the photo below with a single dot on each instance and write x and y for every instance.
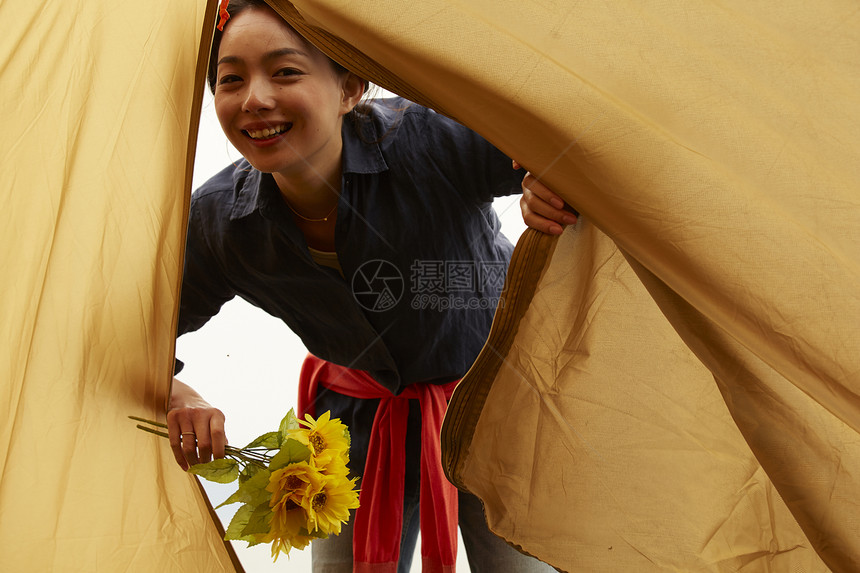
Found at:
(245, 457)
(151, 431)
(150, 422)
(240, 455)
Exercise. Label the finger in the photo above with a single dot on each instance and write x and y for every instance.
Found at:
(540, 207)
(543, 225)
(539, 189)
(516, 164)
(188, 434)
(219, 437)
(203, 420)
(189, 445)
(204, 446)
(174, 431)
(539, 222)
(539, 204)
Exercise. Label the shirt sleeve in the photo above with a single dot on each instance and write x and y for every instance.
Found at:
(500, 176)
(204, 285)
(482, 171)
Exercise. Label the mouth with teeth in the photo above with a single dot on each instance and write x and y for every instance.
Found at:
(267, 133)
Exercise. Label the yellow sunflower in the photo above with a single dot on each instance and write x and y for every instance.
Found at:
(326, 438)
(292, 533)
(288, 527)
(283, 546)
(292, 481)
(336, 466)
(328, 506)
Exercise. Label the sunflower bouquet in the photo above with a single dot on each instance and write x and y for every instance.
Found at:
(293, 483)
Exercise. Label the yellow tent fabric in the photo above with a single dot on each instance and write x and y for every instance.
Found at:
(717, 146)
(97, 106)
(610, 445)
(714, 147)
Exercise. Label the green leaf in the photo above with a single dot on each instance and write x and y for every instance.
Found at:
(253, 491)
(291, 452)
(269, 440)
(316, 533)
(238, 523)
(290, 422)
(224, 470)
(253, 540)
(258, 521)
(249, 471)
(234, 498)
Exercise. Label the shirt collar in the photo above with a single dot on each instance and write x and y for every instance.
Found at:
(248, 189)
(361, 154)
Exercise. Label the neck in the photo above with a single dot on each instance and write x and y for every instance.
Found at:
(310, 195)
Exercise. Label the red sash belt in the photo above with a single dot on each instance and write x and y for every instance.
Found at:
(379, 519)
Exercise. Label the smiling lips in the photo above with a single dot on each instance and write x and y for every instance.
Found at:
(268, 132)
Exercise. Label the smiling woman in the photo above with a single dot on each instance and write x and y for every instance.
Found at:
(281, 103)
(242, 346)
(316, 202)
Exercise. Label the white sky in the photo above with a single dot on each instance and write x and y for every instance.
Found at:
(246, 363)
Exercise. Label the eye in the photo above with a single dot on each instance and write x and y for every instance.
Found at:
(287, 72)
(229, 79)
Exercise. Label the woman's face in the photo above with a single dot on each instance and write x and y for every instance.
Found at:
(279, 100)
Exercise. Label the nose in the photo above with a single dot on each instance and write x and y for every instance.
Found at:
(259, 96)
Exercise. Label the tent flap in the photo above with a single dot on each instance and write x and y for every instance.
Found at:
(100, 100)
(717, 146)
(610, 446)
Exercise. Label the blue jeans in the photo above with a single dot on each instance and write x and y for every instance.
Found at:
(487, 553)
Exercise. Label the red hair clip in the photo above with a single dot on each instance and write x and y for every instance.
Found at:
(222, 11)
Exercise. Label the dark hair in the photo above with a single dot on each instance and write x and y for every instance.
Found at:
(234, 8)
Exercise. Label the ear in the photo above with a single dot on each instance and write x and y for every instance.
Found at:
(353, 89)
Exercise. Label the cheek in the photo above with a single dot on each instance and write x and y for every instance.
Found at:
(300, 103)
(224, 110)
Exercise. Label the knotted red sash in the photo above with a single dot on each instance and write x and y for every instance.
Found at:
(379, 518)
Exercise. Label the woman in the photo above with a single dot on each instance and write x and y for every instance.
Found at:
(371, 234)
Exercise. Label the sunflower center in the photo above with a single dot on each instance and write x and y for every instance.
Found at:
(294, 482)
(317, 442)
(319, 501)
(290, 505)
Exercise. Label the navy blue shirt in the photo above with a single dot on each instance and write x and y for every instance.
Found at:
(418, 241)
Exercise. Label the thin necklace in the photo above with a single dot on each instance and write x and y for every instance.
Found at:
(309, 219)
